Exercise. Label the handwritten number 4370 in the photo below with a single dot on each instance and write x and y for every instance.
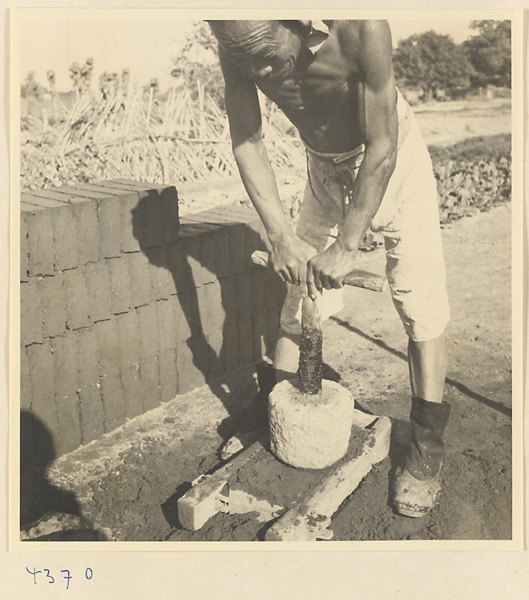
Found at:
(65, 577)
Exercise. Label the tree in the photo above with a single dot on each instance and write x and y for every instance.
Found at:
(490, 53)
(432, 62)
(198, 61)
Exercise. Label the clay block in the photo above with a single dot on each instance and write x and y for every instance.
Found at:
(75, 194)
(222, 250)
(30, 312)
(87, 355)
(120, 297)
(215, 340)
(152, 219)
(28, 450)
(258, 291)
(202, 304)
(261, 349)
(113, 401)
(131, 230)
(86, 219)
(69, 423)
(231, 347)
(42, 377)
(53, 302)
(178, 265)
(148, 330)
(135, 185)
(24, 250)
(193, 256)
(244, 285)
(97, 277)
(192, 358)
(40, 201)
(109, 217)
(132, 391)
(108, 347)
(161, 282)
(246, 341)
(272, 322)
(150, 379)
(238, 256)
(65, 366)
(191, 310)
(255, 240)
(214, 306)
(229, 299)
(92, 415)
(129, 337)
(168, 374)
(76, 296)
(138, 273)
(166, 325)
(40, 242)
(209, 257)
(66, 238)
(25, 383)
(51, 194)
(270, 279)
(170, 216)
(181, 330)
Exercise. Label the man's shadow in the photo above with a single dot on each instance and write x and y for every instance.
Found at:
(47, 512)
(154, 221)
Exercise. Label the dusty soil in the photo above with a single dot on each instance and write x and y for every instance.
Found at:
(125, 487)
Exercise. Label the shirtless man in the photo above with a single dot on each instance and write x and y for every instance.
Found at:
(368, 167)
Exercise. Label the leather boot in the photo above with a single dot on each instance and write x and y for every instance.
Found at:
(417, 482)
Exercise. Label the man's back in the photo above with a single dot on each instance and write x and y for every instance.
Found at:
(321, 94)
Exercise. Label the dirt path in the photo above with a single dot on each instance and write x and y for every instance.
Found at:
(126, 485)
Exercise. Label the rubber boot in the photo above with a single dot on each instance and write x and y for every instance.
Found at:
(417, 482)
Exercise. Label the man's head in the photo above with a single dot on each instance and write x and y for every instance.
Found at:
(259, 48)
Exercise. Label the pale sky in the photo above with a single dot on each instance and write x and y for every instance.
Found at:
(143, 43)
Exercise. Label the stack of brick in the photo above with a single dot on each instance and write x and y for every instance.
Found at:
(124, 305)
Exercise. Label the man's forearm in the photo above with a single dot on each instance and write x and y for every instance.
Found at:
(260, 183)
(365, 198)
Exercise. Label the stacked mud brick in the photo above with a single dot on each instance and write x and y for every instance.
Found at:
(124, 305)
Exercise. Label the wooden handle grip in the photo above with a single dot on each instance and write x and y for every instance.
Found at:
(358, 277)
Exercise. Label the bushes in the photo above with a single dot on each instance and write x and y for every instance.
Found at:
(472, 175)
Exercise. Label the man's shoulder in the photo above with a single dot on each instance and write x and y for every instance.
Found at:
(362, 41)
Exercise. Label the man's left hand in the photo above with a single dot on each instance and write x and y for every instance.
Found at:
(327, 269)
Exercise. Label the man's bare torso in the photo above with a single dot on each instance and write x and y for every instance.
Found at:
(323, 95)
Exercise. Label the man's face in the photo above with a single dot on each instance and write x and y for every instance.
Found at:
(264, 50)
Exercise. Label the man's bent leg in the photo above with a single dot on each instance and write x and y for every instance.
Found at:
(428, 365)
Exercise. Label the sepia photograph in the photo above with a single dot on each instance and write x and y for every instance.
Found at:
(268, 278)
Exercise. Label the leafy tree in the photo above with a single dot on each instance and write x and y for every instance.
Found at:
(31, 87)
(198, 61)
(490, 53)
(433, 62)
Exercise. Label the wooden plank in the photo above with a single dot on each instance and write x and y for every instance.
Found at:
(310, 519)
(204, 499)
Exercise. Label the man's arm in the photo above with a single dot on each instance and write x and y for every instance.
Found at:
(289, 254)
(373, 51)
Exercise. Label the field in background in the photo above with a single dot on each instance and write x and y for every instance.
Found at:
(183, 139)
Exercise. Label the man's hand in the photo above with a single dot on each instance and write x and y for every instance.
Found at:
(328, 269)
(289, 259)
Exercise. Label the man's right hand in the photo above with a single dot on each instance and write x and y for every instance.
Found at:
(289, 259)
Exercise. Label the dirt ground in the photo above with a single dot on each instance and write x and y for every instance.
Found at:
(125, 487)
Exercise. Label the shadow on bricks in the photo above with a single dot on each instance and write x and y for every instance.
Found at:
(223, 318)
(41, 502)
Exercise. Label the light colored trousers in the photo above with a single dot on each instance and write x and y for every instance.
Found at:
(408, 218)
